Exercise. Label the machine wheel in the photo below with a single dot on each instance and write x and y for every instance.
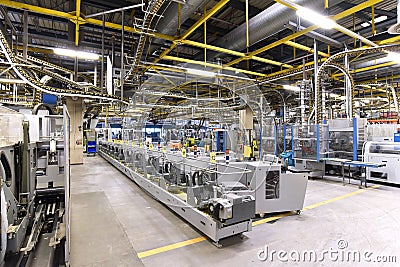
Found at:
(298, 212)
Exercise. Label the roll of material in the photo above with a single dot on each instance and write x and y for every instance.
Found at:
(50, 191)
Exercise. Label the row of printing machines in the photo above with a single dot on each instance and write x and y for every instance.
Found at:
(217, 185)
(221, 191)
(323, 149)
(34, 184)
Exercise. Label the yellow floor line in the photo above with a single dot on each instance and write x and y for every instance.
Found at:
(270, 219)
(151, 252)
(185, 243)
(338, 198)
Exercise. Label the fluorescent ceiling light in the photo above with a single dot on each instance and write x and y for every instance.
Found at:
(201, 72)
(291, 87)
(75, 53)
(333, 95)
(377, 20)
(315, 18)
(393, 56)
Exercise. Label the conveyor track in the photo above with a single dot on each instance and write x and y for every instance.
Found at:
(74, 90)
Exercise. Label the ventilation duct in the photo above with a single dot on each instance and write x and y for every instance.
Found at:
(266, 23)
(169, 23)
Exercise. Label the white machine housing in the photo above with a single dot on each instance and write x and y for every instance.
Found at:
(387, 153)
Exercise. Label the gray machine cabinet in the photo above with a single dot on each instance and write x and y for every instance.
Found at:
(273, 191)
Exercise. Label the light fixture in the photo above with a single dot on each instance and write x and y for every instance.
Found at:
(377, 20)
(201, 72)
(291, 87)
(75, 53)
(393, 56)
(315, 18)
(333, 95)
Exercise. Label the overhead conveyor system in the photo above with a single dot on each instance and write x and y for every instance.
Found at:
(75, 91)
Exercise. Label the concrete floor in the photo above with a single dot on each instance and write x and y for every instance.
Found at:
(113, 220)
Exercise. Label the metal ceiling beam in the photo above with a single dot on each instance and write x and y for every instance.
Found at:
(212, 65)
(186, 34)
(272, 45)
(315, 35)
(363, 16)
(302, 32)
(305, 48)
(204, 18)
(346, 5)
(235, 53)
(73, 18)
(115, 26)
(77, 16)
(374, 67)
(215, 29)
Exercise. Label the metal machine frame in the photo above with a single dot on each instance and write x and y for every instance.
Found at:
(33, 204)
(142, 175)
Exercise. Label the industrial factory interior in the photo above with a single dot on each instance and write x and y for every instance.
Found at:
(199, 133)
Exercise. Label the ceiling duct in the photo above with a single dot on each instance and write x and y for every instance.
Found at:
(169, 23)
(264, 24)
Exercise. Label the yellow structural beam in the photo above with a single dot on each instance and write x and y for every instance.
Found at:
(305, 48)
(73, 18)
(242, 56)
(212, 65)
(272, 45)
(272, 62)
(307, 30)
(181, 40)
(285, 4)
(36, 9)
(390, 40)
(356, 8)
(234, 53)
(36, 49)
(212, 47)
(373, 67)
(204, 18)
(77, 15)
(186, 34)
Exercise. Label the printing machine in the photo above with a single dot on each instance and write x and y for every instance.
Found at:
(346, 139)
(218, 198)
(273, 190)
(34, 177)
(387, 153)
(189, 189)
(310, 145)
